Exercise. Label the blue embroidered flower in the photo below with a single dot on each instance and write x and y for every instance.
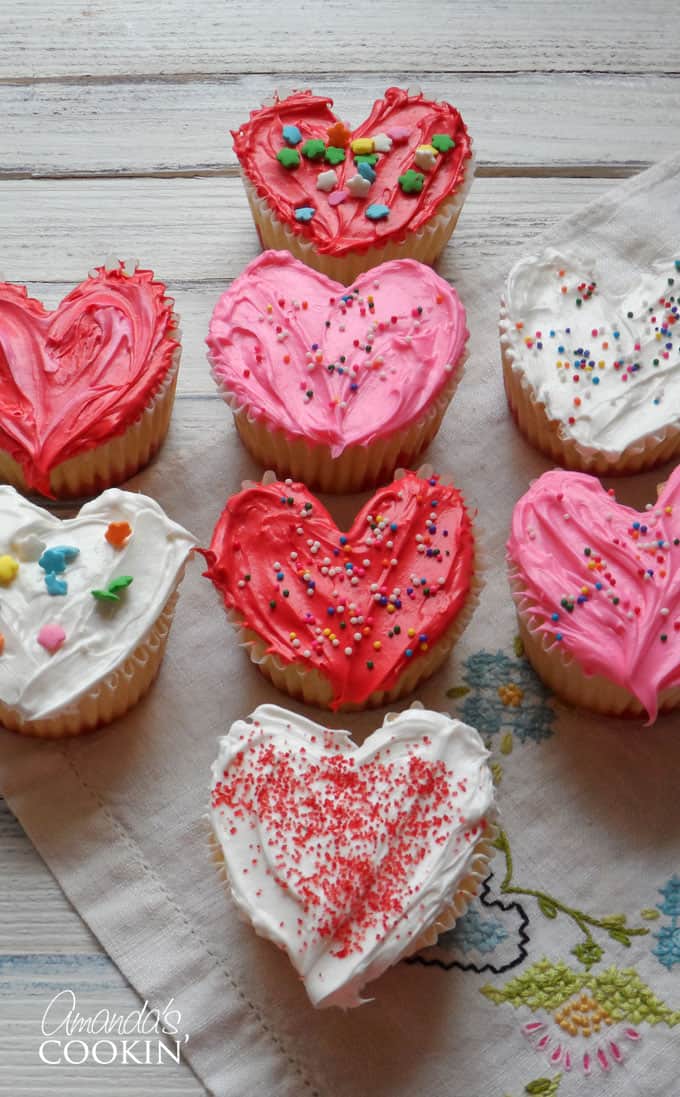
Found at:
(505, 695)
(667, 950)
(472, 933)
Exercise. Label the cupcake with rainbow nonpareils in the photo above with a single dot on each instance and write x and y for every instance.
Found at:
(345, 200)
(347, 620)
(598, 594)
(86, 606)
(331, 385)
(592, 371)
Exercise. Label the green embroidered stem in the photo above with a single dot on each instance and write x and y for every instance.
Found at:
(588, 952)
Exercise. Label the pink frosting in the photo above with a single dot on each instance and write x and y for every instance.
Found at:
(336, 365)
(609, 573)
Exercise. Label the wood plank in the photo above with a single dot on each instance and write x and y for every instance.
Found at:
(47, 38)
(575, 123)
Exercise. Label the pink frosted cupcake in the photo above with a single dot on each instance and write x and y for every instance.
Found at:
(335, 386)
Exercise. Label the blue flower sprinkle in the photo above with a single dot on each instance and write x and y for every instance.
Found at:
(304, 213)
(377, 212)
(291, 135)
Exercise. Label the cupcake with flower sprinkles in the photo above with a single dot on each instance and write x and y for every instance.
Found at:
(344, 200)
(593, 375)
(598, 593)
(350, 857)
(331, 385)
(347, 620)
(86, 605)
(86, 391)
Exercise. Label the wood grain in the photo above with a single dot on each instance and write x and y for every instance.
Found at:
(49, 38)
(575, 123)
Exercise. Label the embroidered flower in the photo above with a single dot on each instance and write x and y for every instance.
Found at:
(667, 950)
(579, 1018)
(502, 694)
(475, 934)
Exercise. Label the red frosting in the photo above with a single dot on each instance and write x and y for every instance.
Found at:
(345, 227)
(410, 550)
(74, 378)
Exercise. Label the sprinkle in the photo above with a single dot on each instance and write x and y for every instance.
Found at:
(334, 155)
(304, 213)
(51, 637)
(367, 172)
(117, 533)
(314, 149)
(327, 180)
(337, 197)
(426, 157)
(382, 142)
(399, 134)
(362, 146)
(291, 135)
(442, 142)
(377, 212)
(338, 134)
(110, 593)
(8, 569)
(411, 182)
(288, 158)
(358, 186)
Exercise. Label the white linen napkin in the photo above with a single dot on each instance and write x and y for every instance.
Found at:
(590, 806)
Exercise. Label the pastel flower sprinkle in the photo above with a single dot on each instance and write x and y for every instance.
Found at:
(377, 212)
(291, 135)
(8, 569)
(411, 182)
(110, 592)
(367, 172)
(304, 213)
(51, 637)
(288, 158)
(442, 142)
(334, 155)
(314, 149)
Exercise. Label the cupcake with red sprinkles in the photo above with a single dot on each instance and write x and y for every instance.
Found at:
(331, 385)
(347, 620)
(598, 593)
(351, 857)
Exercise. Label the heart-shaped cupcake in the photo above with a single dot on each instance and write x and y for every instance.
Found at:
(593, 375)
(73, 379)
(347, 619)
(347, 856)
(346, 192)
(331, 367)
(78, 597)
(598, 584)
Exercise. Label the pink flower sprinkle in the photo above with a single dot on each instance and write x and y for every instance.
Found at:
(51, 637)
(399, 134)
(337, 197)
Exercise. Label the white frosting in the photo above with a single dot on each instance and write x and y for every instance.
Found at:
(99, 635)
(269, 842)
(613, 414)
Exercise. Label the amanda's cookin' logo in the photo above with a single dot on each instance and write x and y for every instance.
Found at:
(143, 1037)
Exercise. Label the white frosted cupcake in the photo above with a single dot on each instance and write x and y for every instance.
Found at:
(86, 605)
(351, 857)
(592, 375)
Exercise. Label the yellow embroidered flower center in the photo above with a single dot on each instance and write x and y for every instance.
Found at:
(511, 695)
(583, 1015)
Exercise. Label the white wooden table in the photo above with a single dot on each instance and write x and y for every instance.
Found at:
(114, 121)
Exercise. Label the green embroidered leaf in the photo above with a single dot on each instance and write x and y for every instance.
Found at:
(496, 773)
(650, 914)
(545, 985)
(518, 647)
(458, 691)
(620, 936)
(546, 906)
(506, 743)
(626, 998)
(546, 1087)
(613, 921)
